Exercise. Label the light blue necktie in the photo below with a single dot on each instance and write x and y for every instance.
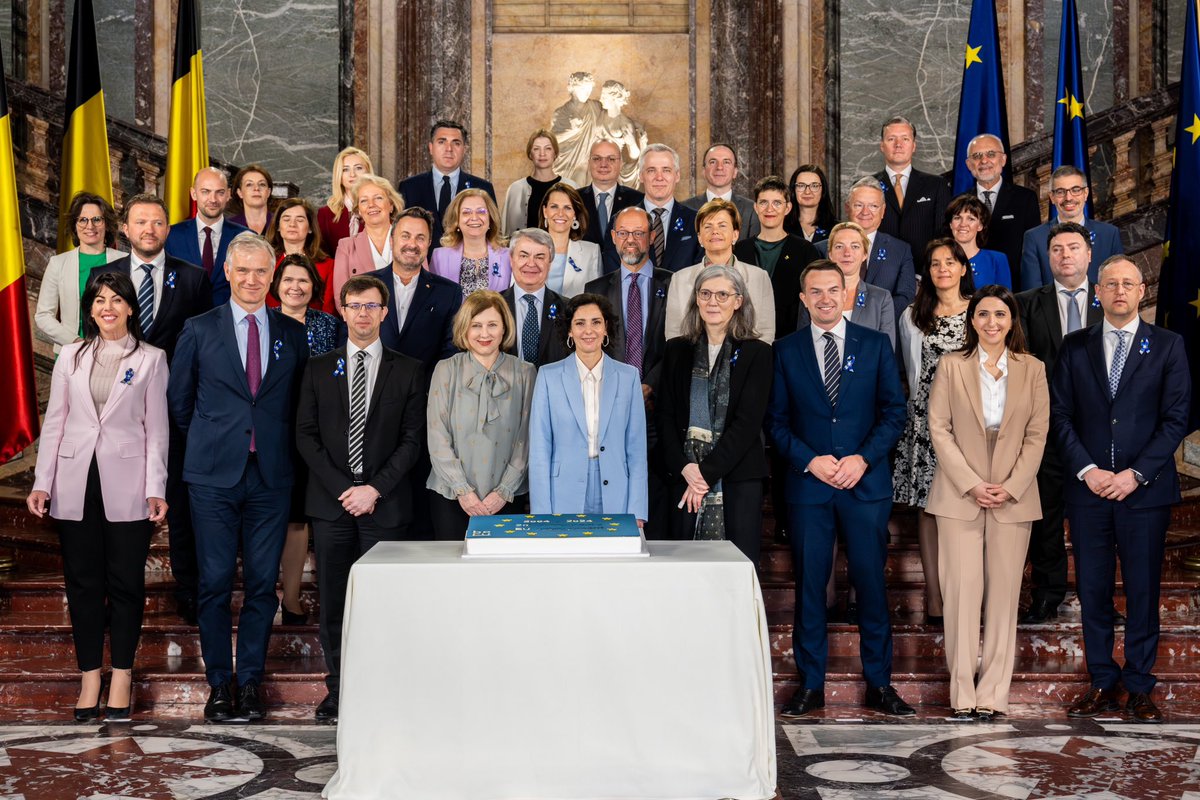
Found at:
(1074, 322)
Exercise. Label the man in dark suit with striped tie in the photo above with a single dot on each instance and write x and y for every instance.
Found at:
(359, 427)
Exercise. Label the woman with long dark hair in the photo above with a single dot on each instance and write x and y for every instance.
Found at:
(984, 494)
(101, 474)
(935, 323)
(812, 216)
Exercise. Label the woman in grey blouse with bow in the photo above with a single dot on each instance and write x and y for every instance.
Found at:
(478, 417)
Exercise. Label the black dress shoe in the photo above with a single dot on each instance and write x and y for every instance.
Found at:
(185, 606)
(936, 620)
(1142, 708)
(886, 700)
(327, 711)
(87, 714)
(1094, 703)
(116, 714)
(803, 701)
(219, 707)
(250, 703)
(1039, 611)
(288, 618)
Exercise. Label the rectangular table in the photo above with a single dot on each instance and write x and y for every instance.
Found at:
(567, 679)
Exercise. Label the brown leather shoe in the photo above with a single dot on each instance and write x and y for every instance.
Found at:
(1094, 703)
(1142, 708)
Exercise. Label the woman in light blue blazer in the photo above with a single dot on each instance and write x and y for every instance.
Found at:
(587, 427)
(866, 305)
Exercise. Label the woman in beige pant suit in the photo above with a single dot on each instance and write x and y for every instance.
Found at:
(988, 416)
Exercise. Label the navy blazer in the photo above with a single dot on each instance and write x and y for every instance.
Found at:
(551, 346)
(1140, 428)
(623, 197)
(924, 214)
(210, 399)
(186, 293)
(891, 268)
(868, 419)
(1035, 255)
(184, 243)
(428, 334)
(683, 245)
(417, 190)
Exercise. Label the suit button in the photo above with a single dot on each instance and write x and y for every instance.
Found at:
(601, 448)
(834, 419)
(247, 431)
(606, 483)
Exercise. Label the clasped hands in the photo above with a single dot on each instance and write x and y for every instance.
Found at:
(1109, 485)
(359, 500)
(840, 473)
(475, 507)
(990, 495)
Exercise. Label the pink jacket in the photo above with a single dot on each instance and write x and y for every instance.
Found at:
(447, 262)
(129, 439)
(353, 257)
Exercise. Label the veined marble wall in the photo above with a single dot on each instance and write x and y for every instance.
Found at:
(1096, 54)
(114, 45)
(271, 81)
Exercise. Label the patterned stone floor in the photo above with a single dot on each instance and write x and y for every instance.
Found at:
(1023, 757)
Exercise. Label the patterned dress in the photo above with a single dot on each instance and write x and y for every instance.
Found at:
(915, 459)
(473, 275)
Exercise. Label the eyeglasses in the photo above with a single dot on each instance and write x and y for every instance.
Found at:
(988, 155)
(722, 297)
(807, 187)
(770, 204)
(1074, 191)
(1112, 286)
(356, 307)
(856, 207)
(85, 221)
(623, 235)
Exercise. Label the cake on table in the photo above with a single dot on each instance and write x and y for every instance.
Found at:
(554, 535)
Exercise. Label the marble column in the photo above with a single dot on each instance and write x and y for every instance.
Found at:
(144, 97)
(448, 74)
(55, 51)
(1035, 49)
(412, 87)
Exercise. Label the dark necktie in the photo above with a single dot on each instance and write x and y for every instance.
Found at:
(358, 412)
(1074, 322)
(633, 336)
(833, 374)
(253, 365)
(444, 196)
(987, 199)
(206, 258)
(530, 331)
(660, 241)
(602, 214)
(1118, 363)
(146, 299)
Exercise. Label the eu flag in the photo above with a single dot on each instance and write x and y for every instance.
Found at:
(1070, 126)
(981, 107)
(1179, 280)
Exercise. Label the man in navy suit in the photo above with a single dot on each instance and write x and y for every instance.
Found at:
(604, 168)
(433, 190)
(891, 264)
(538, 319)
(175, 291)
(836, 411)
(1119, 409)
(204, 238)
(916, 201)
(674, 244)
(1069, 193)
(1014, 208)
(233, 391)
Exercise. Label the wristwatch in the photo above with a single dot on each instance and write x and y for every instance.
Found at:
(1137, 476)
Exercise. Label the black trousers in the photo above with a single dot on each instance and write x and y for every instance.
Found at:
(743, 517)
(104, 564)
(338, 544)
(450, 521)
(1047, 547)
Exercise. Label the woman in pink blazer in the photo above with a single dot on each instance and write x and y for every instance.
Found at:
(377, 203)
(102, 469)
(472, 254)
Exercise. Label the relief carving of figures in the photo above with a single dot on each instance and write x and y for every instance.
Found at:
(581, 121)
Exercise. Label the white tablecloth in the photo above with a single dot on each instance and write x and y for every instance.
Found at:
(567, 679)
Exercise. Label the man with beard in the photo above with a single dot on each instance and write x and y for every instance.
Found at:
(204, 238)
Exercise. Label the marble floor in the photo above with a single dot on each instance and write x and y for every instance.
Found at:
(1024, 757)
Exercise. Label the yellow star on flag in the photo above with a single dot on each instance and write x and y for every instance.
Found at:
(1194, 128)
(1196, 303)
(973, 55)
(1074, 107)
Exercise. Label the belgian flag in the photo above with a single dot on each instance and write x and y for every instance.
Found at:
(18, 393)
(85, 163)
(187, 138)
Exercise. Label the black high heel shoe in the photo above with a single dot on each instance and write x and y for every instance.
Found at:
(291, 618)
(120, 713)
(89, 713)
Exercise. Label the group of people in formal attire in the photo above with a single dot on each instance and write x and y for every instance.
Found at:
(596, 349)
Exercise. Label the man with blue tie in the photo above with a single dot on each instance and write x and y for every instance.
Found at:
(232, 391)
(433, 190)
(1119, 406)
(537, 309)
(203, 239)
(891, 264)
(605, 196)
(837, 409)
(673, 241)
(1069, 194)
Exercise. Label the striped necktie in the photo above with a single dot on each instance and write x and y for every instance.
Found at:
(358, 412)
(833, 374)
(146, 299)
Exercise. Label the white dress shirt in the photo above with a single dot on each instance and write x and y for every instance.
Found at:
(522, 307)
(1080, 302)
(455, 179)
(217, 227)
(904, 176)
(159, 263)
(384, 259)
(589, 383)
(992, 390)
(708, 193)
(374, 353)
(839, 338)
(404, 297)
(995, 190)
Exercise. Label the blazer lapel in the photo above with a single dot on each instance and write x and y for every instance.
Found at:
(420, 297)
(969, 379)
(229, 342)
(1018, 379)
(574, 392)
(1048, 298)
(608, 396)
(849, 355)
(1135, 356)
(341, 383)
(808, 361)
(385, 369)
(1095, 351)
(168, 292)
(1095, 313)
(135, 361)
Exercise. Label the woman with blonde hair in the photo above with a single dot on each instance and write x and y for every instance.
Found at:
(478, 419)
(377, 203)
(337, 218)
(524, 197)
(472, 254)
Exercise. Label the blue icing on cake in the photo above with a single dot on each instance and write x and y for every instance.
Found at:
(553, 526)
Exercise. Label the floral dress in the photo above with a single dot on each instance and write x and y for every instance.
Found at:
(473, 275)
(915, 459)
